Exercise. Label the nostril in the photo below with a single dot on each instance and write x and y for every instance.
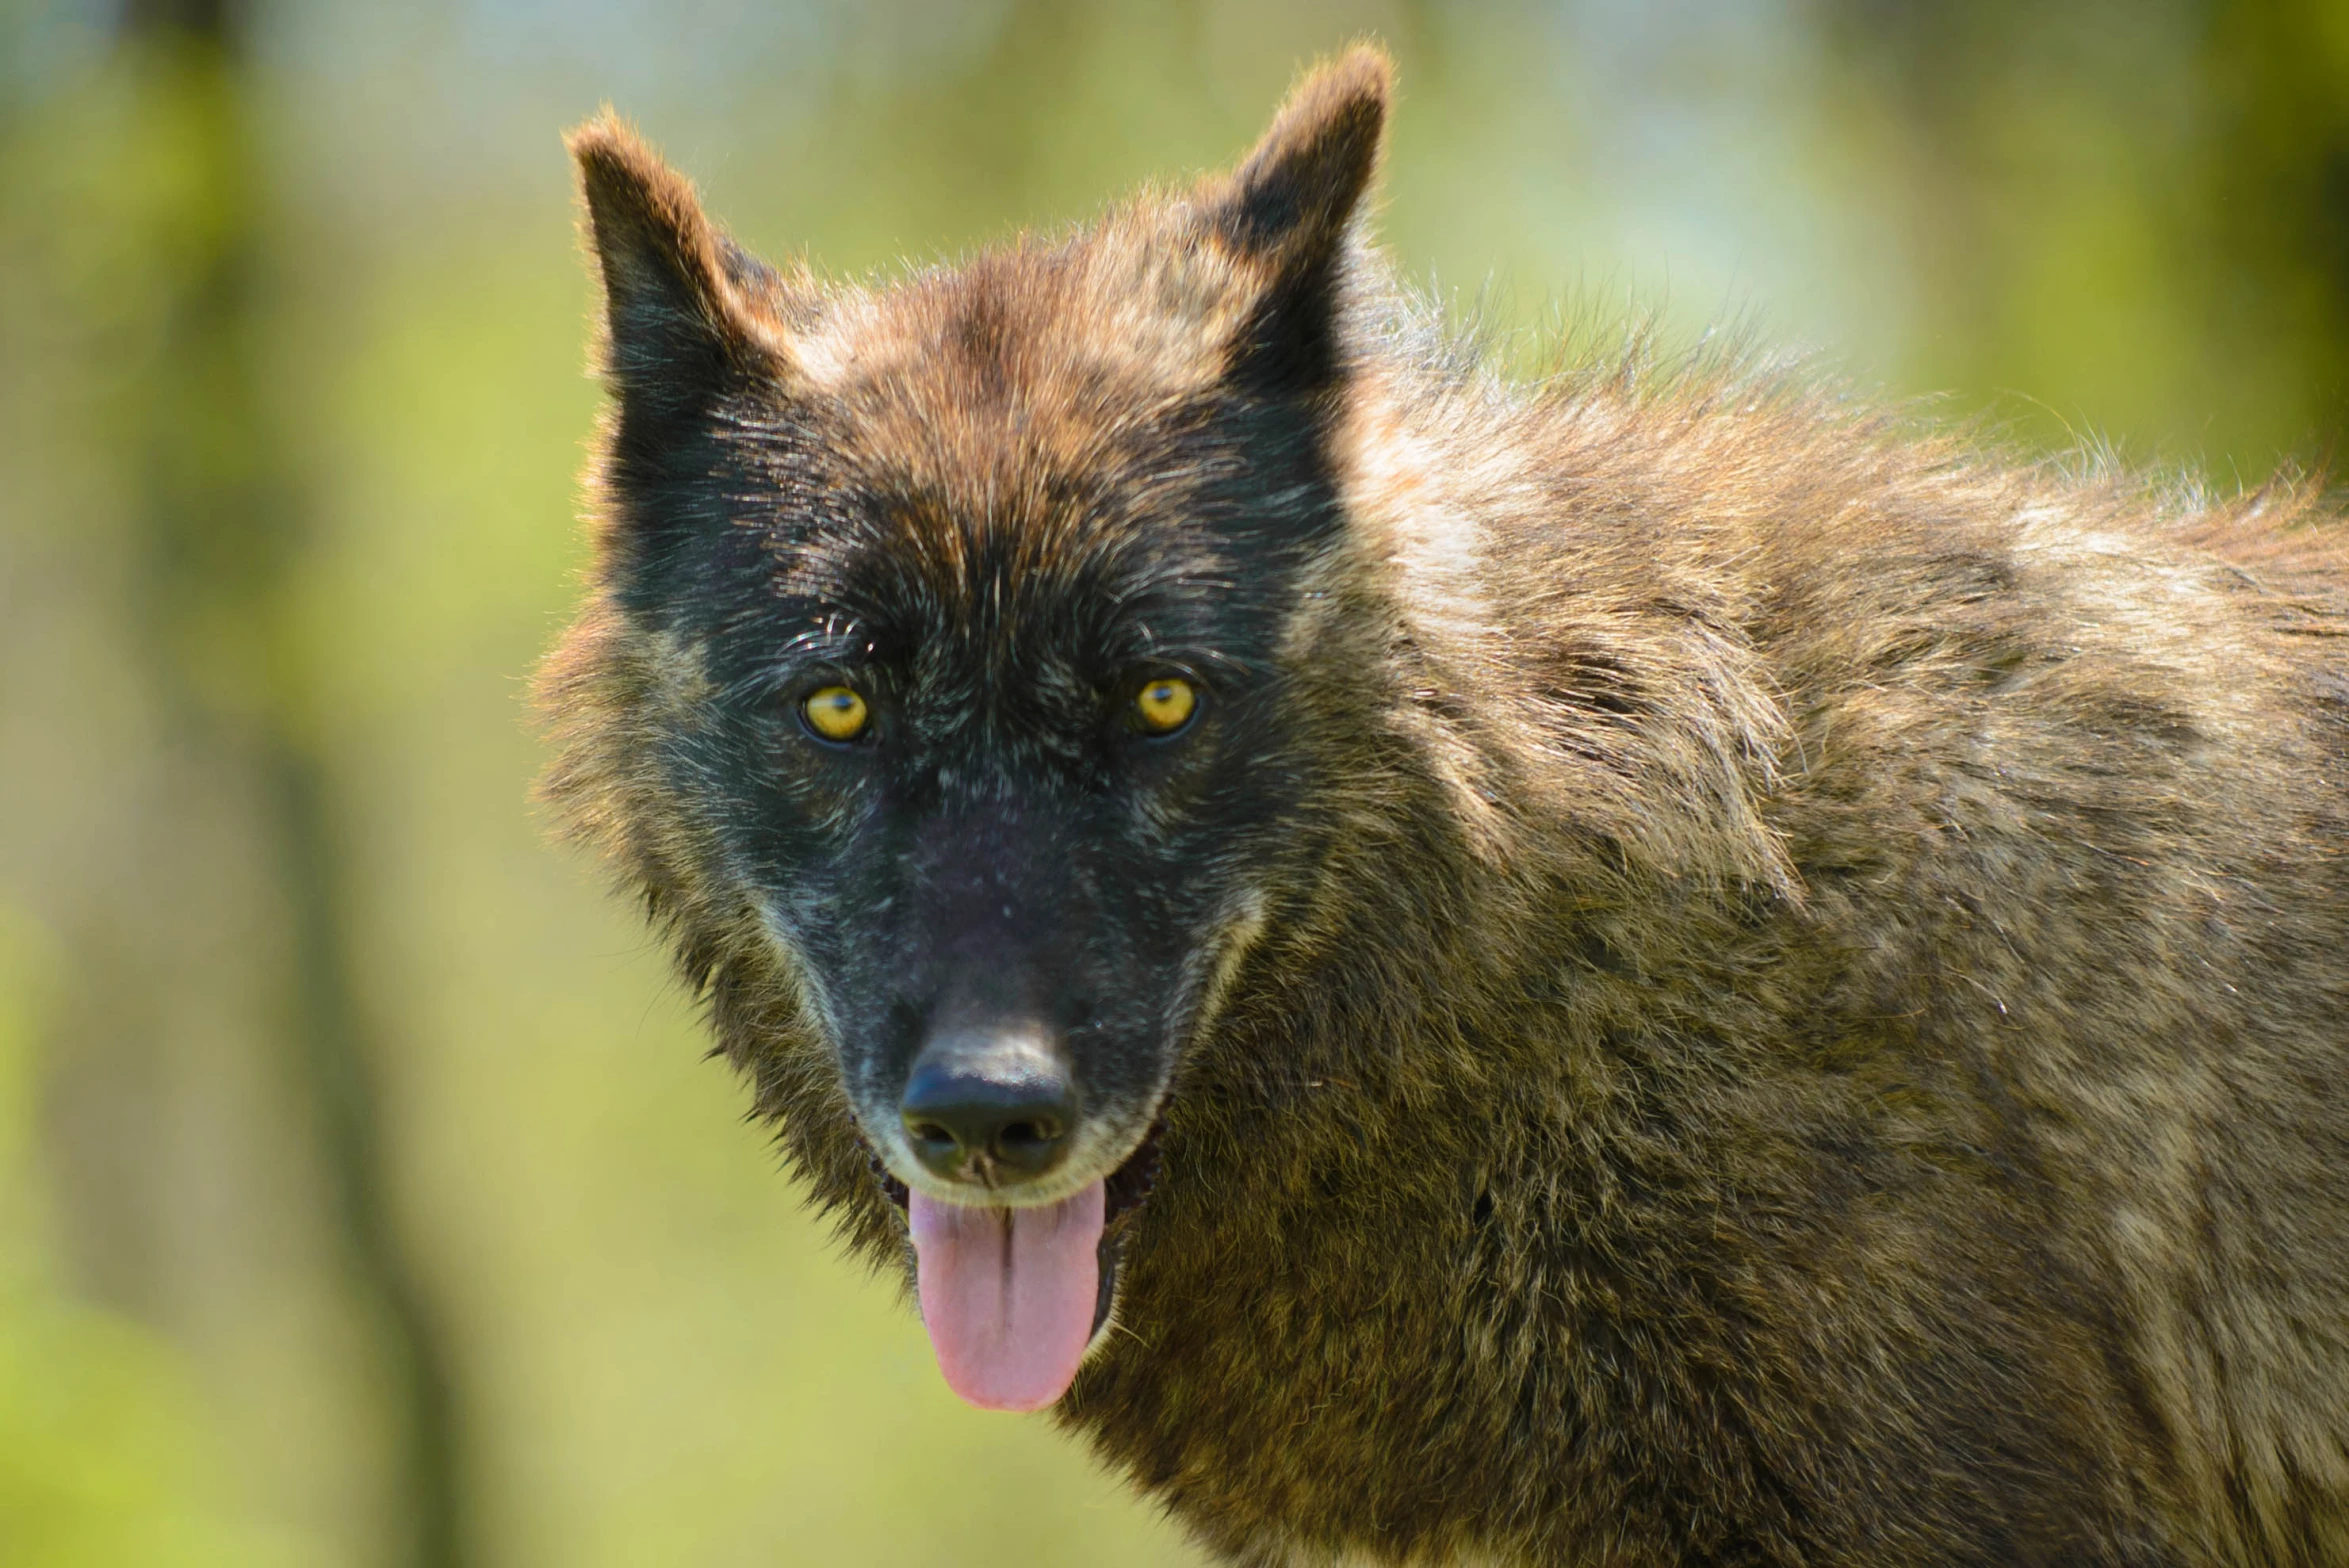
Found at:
(1029, 1147)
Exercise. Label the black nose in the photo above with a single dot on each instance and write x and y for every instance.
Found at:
(986, 1107)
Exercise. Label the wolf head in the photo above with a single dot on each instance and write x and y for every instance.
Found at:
(932, 680)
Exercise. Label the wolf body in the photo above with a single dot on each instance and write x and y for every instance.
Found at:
(1711, 980)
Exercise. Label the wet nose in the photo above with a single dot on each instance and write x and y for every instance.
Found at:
(989, 1108)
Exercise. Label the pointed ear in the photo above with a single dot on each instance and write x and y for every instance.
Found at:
(675, 322)
(1286, 212)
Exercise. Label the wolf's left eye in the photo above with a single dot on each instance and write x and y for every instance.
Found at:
(1165, 705)
(835, 713)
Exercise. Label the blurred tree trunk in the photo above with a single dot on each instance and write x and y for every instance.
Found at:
(210, 910)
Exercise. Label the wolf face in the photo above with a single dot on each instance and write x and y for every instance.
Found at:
(956, 616)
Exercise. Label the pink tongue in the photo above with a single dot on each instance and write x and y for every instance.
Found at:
(1008, 1294)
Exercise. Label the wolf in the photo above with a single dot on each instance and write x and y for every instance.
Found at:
(1654, 967)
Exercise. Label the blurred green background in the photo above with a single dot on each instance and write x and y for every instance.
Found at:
(364, 1198)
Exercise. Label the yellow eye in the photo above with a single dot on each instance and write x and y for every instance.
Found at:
(1165, 705)
(836, 713)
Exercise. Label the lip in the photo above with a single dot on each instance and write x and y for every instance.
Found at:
(1126, 1191)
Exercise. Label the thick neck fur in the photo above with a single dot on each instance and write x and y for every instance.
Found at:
(1517, 1112)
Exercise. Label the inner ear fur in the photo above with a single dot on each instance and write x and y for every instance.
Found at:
(1286, 213)
(676, 322)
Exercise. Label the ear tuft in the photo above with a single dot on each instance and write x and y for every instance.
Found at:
(673, 323)
(1301, 184)
(1285, 214)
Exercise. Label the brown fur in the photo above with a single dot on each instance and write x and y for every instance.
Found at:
(1807, 1020)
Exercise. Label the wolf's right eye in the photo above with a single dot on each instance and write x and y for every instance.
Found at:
(835, 713)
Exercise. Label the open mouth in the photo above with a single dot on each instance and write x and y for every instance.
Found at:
(1124, 1191)
(1014, 1298)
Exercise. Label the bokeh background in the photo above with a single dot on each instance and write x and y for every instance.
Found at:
(364, 1197)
